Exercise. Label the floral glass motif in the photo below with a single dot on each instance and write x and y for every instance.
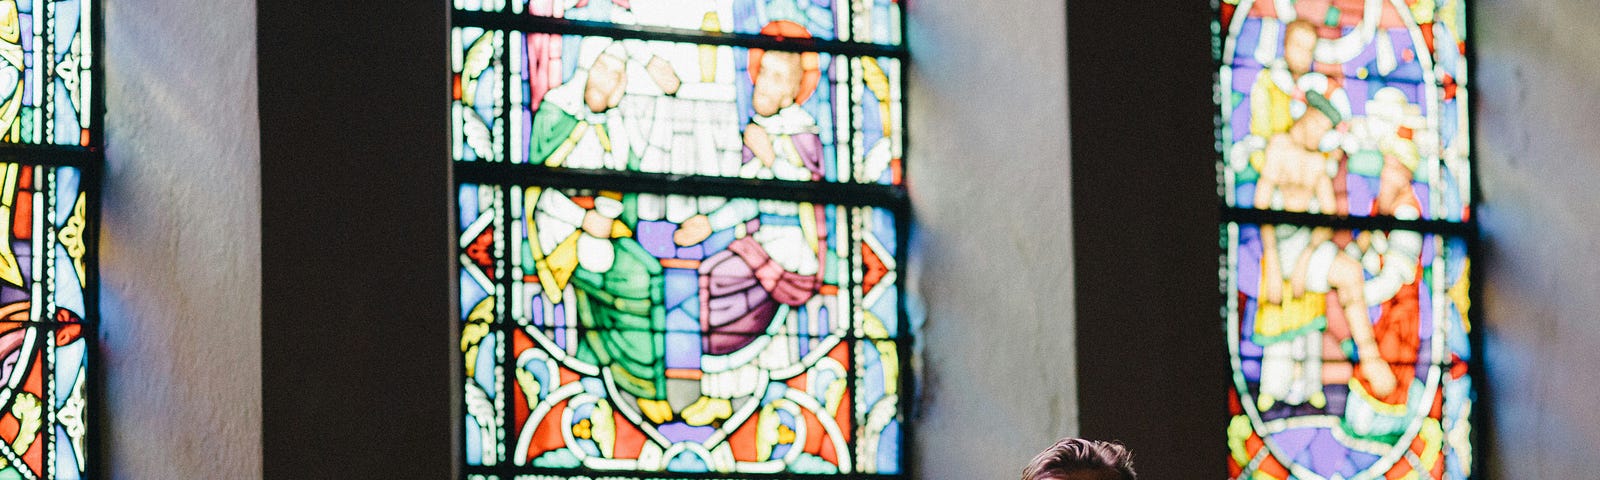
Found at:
(879, 129)
(1350, 346)
(477, 61)
(46, 68)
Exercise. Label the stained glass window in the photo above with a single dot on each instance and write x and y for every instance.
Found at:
(1345, 178)
(50, 162)
(680, 231)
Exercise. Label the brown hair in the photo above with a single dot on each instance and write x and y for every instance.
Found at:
(1076, 455)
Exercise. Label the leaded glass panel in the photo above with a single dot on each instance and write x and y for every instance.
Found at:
(1329, 109)
(679, 108)
(50, 167)
(675, 333)
(679, 237)
(1347, 346)
(44, 270)
(1346, 176)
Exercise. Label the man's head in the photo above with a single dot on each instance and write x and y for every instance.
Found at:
(1299, 43)
(782, 78)
(1079, 459)
(778, 82)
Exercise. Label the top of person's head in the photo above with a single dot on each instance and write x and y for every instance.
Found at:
(1079, 459)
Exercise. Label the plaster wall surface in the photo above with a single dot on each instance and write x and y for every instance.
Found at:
(181, 283)
(988, 166)
(1539, 164)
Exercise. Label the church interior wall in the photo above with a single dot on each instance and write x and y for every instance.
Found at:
(988, 166)
(1537, 165)
(180, 246)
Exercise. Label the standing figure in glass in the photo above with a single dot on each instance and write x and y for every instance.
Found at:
(1306, 261)
(587, 256)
